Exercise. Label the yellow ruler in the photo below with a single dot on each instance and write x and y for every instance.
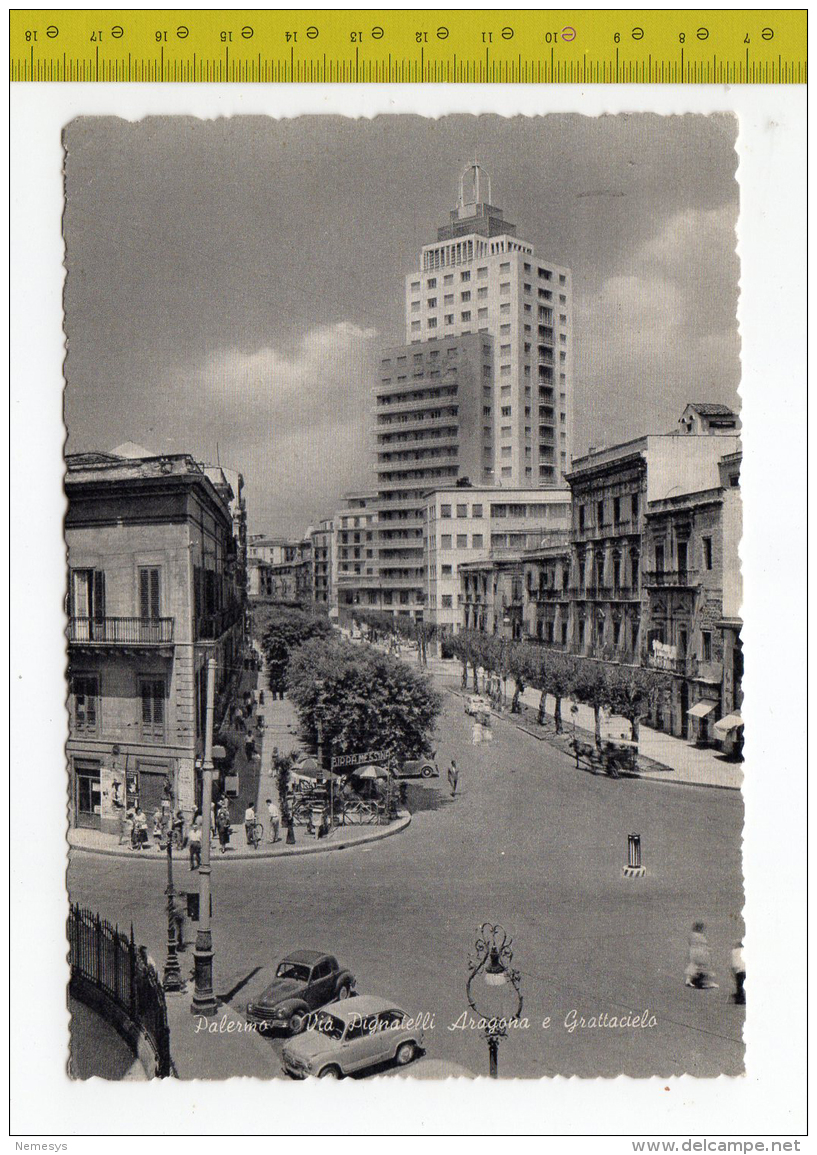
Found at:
(471, 46)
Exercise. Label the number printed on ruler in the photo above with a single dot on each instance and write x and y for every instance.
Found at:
(592, 46)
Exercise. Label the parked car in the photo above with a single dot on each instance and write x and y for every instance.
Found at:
(362, 1032)
(416, 768)
(304, 981)
(477, 704)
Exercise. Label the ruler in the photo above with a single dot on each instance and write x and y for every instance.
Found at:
(424, 46)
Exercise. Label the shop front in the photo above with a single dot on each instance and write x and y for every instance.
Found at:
(700, 721)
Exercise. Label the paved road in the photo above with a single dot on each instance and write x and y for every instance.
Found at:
(529, 842)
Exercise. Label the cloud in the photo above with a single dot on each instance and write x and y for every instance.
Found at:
(293, 421)
(660, 332)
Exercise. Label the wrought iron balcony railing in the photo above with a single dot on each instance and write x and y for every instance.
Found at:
(121, 631)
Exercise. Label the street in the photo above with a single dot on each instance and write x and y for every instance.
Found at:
(528, 842)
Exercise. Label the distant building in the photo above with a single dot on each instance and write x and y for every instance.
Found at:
(323, 548)
(464, 525)
(480, 277)
(154, 590)
(649, 574)
(280, 570)
(355, 581)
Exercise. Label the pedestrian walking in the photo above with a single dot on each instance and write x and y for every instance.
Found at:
(274, 812)
(223, 828)
(238, 718)
(125, 826)
(249, 824)
(699, 967)
(453, 777)
(157, 827)
(739, 974)
(194, 844)
(249, 747)
(178, 830)
(179, 912)
(140, 828)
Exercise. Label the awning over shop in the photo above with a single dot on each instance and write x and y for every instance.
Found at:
(728, 725)
(702, 709)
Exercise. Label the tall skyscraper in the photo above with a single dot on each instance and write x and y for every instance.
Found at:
(481, 391)
(479, 277)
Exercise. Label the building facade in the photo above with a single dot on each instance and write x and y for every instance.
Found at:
(355, 546)
(479, 277)
(465, 525)
(649, 574)
(154, 591)
(323, 548)
(433, 426)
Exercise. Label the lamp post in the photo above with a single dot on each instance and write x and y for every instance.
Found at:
(172, 978)
(204, 1001)
(492, 960)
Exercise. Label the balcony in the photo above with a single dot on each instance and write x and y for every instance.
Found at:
(549, 594)
(679, 578)
(212, 626)
(121, 631)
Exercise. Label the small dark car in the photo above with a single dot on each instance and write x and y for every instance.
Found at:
(304, 981)
(417, 768)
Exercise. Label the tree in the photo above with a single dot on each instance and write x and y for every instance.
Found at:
(633, 692)
(561, 678)
(472, 648)
(523, 665)
(282, 629)
(367, 699)
(591, 686)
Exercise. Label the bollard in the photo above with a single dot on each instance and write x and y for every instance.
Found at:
(634, 868)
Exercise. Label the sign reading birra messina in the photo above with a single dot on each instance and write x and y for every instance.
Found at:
(346, 760)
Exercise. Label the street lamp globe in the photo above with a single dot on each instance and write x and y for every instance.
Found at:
(495, 973)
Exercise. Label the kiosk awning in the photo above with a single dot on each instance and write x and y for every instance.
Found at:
(702, 709)
(726, 725)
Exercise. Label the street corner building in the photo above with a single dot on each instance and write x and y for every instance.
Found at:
(156, 587)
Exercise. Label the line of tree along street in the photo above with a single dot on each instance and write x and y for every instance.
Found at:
(627, 691)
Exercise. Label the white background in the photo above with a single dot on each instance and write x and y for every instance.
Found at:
(770, 1099)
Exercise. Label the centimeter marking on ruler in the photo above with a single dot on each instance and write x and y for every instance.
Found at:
(466, 46)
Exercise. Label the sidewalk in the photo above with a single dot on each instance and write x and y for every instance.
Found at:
(206, 1048)
(663, 757)
(342, 838)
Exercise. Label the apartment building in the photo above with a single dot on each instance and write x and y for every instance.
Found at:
(433, 426)
(480, 277)
(154, 591)
(465, 525)
(323, 548)
(354, 570)
(649, 574)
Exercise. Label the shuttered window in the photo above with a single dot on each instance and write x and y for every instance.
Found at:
(85, 690)
(152, 693)
(149, 593)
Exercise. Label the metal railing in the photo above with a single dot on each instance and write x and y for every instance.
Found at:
(669, 577)
(121, 631)
(100, 954)
(209, 627)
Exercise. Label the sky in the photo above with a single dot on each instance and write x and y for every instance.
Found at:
(230, 283)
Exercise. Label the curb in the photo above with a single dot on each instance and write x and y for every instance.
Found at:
(650, 776)
(325, 848)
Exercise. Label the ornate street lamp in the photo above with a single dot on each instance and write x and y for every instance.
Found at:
(172, 978)
(502, 1001)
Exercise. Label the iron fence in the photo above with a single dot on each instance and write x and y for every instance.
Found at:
(111, 962)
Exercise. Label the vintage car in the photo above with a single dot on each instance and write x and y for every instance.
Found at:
(304, 981)
(477, 704)
(416, 768)
(363, 1032)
